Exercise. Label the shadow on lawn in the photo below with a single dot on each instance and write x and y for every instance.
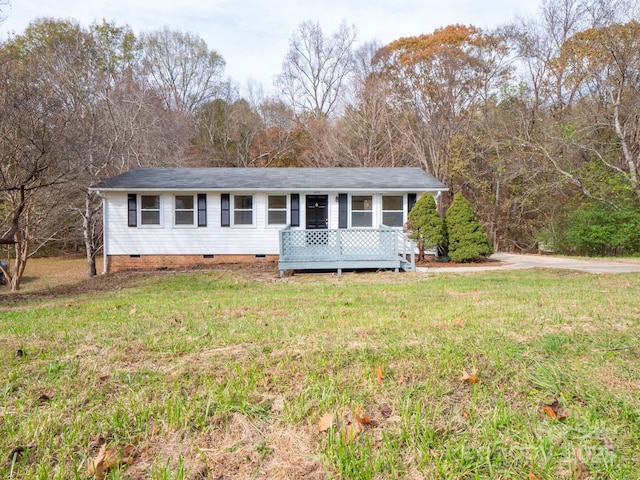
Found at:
(121, 280)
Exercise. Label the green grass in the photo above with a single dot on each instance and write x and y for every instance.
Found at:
(220, 375)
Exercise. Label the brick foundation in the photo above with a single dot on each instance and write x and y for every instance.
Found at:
(118, 263)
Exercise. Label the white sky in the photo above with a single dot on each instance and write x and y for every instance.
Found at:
(253, 35)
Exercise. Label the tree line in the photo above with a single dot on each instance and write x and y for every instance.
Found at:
(535, 122)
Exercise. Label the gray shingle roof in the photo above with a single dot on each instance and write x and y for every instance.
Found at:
(235, 179)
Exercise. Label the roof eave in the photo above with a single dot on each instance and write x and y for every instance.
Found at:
(262, 190)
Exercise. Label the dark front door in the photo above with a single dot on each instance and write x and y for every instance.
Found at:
(317, 212)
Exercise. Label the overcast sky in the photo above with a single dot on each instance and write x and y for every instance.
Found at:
(253, 35)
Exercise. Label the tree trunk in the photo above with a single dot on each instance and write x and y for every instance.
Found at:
(20, 262)
(87, 233)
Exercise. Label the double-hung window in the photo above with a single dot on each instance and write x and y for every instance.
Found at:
(361, 211)
(184, 210)
(243, 210)
(392, 210)
(149, 209)
(277, 210)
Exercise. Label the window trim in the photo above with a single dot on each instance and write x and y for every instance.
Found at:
(192, 210)
(234, 210)
(383, 211)
(352, 210)
(284, 209)
(160, 223)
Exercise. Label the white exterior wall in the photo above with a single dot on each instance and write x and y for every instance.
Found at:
(168, 239)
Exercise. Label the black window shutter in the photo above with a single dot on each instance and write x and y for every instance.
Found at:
(132, 209)
(202, 209)
(411, 201)
(343, 210)
(225, 211)
(295, 210)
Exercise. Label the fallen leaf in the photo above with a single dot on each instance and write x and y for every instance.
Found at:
(608, 444)
(351, 431)
(20, 353)
(108, 459)
(465, 414)
(532, 476)
(386, 410)
(44, 398)
(580, 401)
(97, 441)
(16, 453)
(581, 471)
(403, 314)
(470, 377)
(554, 410)
(325, 423)
(378, 372)
(133, 311)
(458, 323)
(265, 382)
(401, 379)
(362, 419)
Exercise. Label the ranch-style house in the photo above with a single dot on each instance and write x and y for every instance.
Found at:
(306, 218)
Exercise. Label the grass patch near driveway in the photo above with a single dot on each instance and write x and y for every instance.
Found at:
(222, 374)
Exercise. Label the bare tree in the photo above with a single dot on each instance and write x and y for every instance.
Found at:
(316, 68)
(227, 131)
(33, 123)
(5, 7)
(182, 69)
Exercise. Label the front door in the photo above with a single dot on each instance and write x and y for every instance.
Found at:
(317, 212)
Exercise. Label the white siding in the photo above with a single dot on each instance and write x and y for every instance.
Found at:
(191, 240)
(168, 239)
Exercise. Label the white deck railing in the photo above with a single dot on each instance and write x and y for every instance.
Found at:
(328, 248)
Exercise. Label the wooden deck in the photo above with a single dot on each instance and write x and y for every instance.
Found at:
(341, 249)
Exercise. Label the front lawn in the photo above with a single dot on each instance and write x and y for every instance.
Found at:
(225, 375)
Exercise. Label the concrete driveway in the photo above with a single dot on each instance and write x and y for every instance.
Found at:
(516, 262)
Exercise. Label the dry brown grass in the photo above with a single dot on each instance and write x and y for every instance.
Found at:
(51, 272)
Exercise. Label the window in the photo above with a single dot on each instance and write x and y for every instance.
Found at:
(361, 211)
(184, 211)
(149, 209)
(243, 210)
(277, 210)
(392, 213)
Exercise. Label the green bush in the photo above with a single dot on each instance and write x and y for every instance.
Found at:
(467, 239)
(599, 229)
(427, 228)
